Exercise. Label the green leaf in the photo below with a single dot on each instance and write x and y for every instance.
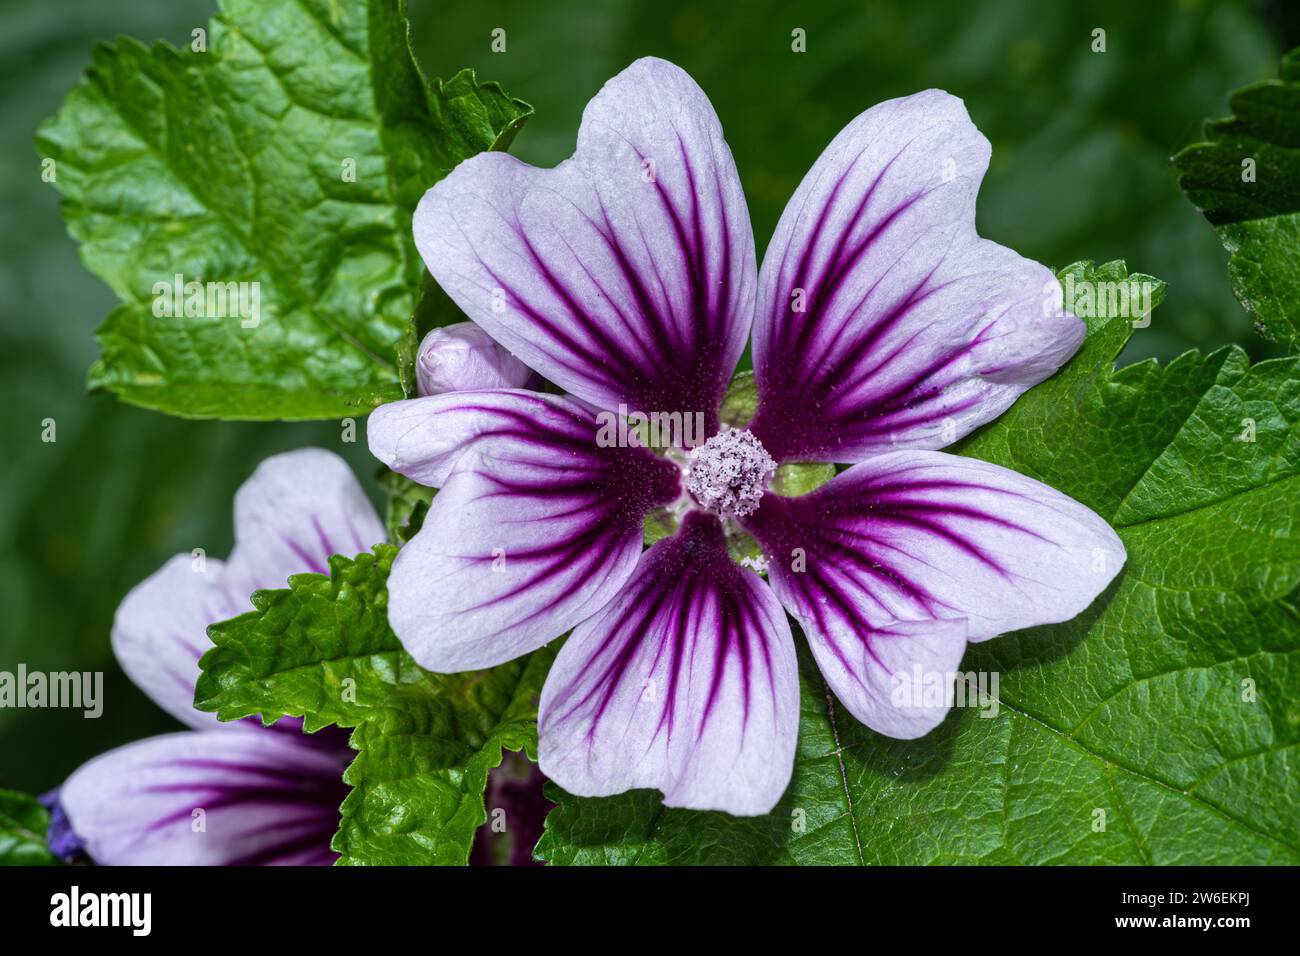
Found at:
(1245, 178)
(408, 503)
(291, 154)
(419, 780)
(322, 650)
(1166, 712)
(23, 823)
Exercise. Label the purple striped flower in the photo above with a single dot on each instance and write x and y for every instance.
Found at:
(224, 793)
(883, 328)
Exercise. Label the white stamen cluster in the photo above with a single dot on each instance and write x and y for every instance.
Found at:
(728, 473)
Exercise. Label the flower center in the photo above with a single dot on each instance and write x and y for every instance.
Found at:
(729, 472)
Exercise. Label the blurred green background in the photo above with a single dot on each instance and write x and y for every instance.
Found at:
(1081, 143)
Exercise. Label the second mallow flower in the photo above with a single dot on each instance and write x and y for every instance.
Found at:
(883, 329)
(224, 793)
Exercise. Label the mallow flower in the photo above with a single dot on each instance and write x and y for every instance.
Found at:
(233, 793)
(883, 328)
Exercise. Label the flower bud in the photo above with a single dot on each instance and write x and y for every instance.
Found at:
(459, 357)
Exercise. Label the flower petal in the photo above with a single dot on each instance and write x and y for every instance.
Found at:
(686, 682)
(626, 274)
(882, 674)
(295, 511)
(883, 319)
(535, 529)
(160, 632)
(914, 535)
(422, 438)
(266, 798)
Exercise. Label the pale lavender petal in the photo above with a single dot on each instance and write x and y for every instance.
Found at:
(422, 438)
(462, 357)
(626, 274)
(893, 678)
(263, 799)
(535, 529)
(883, 320)
(160, 632)
(911, 535)
(297, 510)
(687, 683)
